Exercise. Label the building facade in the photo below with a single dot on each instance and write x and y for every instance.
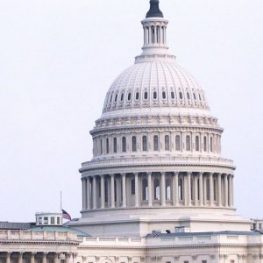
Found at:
(157, 189)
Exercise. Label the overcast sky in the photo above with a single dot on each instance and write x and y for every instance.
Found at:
(58, 59)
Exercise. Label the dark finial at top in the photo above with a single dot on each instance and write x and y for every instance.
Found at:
(154, 9)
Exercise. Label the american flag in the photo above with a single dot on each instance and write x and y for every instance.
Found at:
(66, 215)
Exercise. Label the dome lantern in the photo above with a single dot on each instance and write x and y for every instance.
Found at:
(154, 9)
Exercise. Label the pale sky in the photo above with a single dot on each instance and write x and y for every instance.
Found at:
(58, 59)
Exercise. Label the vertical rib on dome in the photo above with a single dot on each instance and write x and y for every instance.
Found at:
(154, 9)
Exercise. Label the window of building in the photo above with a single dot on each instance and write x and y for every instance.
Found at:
(211, 144)
(145, 95)
(107, 145)
(167, 143)
(137, 95)
(181, 95)
(52, 220)
(164, 95)
(134, 143)
(194, 96)
(181, 189)
(144, 143)
(40, 220)
(200, 98)
(186, 261)
(156, 143)
(45, 220)
(155, 95)
(205, 144)
(172, 95)
(188, 143)
(204, 261)
(133, 186)
(122, 96)
(197, 143)
(58, 220)
(101, 146)
(260, 226)
(116, 97)
(188, 96)
(129, 96)
(115, 145)
(178, 143)
(124, 145)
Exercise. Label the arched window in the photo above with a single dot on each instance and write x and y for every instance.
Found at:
(172, 95)
(181, 95)
(129, 96)
(116, 97)
(156, 143)
(124, 146)
(164, 95)
(153, 34)
(188, 143)
(107, 146)
(137, 95)
(145, 95)
(211, 144)
(134, 143)
(188, 96)
(155, 95)
(144, 143)
(156, 184)
(197, 143)
(205, 144)
(133, 186)
(178, 143)
(101, 146)
(167, 143)
(122, 96)
(115, 145)
(194, 96)
(200, 98)
(168, 185)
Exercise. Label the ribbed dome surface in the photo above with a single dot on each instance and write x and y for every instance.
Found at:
(156, 83)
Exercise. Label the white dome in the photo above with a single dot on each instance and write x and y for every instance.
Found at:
(155, 83)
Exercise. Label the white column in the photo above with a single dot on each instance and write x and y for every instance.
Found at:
(163, 190)
(57, 258)
(102, 192)
(94, 186)
(44, 258)
(189, 192)
(219, 190)
(137, 193)
(205, 189)
(196, 190)
(211, 188)
(20, 258)
(201, 189)
(112, 191)
(232, 190)
(88, 196)
(226, 189)
(175, 189)
(124, 201)
(32, 258)
(8, 257)
(150, 195)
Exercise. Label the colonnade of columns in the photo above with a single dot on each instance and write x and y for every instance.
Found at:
(39, 257)
(157, 189)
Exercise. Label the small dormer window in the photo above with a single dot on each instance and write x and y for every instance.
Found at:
(164, 95)
(155, 95)
(145, 95)
(137, 95)
(129, 96)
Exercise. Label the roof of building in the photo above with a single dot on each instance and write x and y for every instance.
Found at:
(15, 226)
(192, 234)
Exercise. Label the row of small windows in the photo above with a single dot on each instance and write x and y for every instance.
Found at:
(207, 144)
(155, 96)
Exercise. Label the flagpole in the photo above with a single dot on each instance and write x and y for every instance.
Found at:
(61, 201)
